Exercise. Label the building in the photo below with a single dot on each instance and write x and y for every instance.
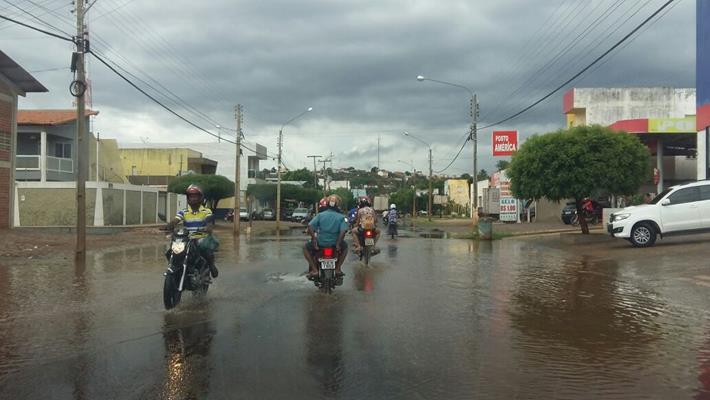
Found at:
(663, 118)
(46, 149)
(702, 81)
(158, 166)
(14, 82)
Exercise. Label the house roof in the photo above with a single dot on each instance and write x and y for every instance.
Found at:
(48, 117)
(18, 76)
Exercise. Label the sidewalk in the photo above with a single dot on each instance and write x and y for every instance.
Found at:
(463, 226)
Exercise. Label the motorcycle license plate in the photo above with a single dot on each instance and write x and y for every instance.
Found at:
(327, 263)
(369, 242)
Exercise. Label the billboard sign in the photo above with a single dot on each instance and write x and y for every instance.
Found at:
(508, 209)
(505, 143)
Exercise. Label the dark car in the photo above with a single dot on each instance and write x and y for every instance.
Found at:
(568, 213)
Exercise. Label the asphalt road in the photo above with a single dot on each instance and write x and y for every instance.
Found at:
(430, 318)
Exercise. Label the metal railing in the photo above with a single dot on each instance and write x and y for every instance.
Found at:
(27, 162)
(58, 164)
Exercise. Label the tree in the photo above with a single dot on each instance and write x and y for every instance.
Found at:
(467, 176)
(403, 199)
(577, 163)
(297, 175)
(214, 187)
(502, 164)
(482, 175)
(266, 192)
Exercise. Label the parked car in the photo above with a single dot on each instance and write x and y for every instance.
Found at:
(243, 215)
(268, 214)
(568, 213)
(682, 209)
(299, 214)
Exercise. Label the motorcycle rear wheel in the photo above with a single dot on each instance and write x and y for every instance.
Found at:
(366, 255)
(328, 281)
(171, 294)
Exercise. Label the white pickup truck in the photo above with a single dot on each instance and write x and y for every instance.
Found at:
(678, 210)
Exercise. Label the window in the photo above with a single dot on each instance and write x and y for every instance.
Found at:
(705, 192)
(686, 195)
(62, 150)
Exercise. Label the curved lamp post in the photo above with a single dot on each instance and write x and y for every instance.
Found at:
(430, 169)
(474, 138)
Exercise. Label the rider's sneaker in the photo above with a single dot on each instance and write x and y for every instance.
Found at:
(214, 271)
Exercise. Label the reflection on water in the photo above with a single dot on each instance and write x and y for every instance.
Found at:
(188, 351)
(324, 342)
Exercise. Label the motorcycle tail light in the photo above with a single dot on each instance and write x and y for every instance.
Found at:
(328, 252)
(368, 233)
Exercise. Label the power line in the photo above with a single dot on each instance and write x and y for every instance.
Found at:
(575, 76)
(37, 29)
(37, 18)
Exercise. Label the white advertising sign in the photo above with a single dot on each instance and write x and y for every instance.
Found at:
(508, 209)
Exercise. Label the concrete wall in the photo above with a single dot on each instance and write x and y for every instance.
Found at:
(54, 204)
(150, 207)
(113, 206)
(605, 106)
(159, 162)
(458, 191)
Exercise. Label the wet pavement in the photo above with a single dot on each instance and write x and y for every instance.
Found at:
(430, 318)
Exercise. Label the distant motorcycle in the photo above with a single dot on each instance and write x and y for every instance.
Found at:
(187, 269)
(327, 259)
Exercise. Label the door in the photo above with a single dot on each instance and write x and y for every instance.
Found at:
(704, 206)
(683, 212)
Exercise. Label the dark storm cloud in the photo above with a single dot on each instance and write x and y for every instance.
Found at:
(355, 62)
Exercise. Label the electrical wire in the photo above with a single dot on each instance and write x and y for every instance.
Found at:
(68, 39)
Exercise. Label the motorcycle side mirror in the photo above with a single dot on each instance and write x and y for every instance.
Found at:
(666, 202)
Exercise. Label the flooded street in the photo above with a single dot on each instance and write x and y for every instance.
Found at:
(430, 318)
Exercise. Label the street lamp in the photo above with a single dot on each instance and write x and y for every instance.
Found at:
(473, 136)
(278, 168)
(430, 169)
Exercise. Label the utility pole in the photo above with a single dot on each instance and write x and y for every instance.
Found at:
(430, 184)
(474, 138)
(325, 190)
(81, 149)
(378, 152)
(315, 171)
(237, 178)
(98, 142)
(278, 183)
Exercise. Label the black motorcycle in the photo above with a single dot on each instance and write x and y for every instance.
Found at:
(327, 258)
(187, 269)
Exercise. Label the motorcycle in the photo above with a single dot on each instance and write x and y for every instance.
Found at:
(367, 243)
(392, 229)
(327, 259)
(187, 269)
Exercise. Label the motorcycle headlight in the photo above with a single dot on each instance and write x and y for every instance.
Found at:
(178, 247)
(620, 217)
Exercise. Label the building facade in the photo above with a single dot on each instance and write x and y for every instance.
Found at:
(662, 118)
(14, 82)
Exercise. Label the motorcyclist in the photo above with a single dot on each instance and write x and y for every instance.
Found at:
(327, 229)
(366, 219)
(196, 219)
(392, 217)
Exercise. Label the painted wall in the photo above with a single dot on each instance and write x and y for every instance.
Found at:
(458, 191)
(52, 206)
(156, 162)
(8, 108)
(605, 106)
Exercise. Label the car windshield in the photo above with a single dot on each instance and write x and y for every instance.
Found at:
(660, 196)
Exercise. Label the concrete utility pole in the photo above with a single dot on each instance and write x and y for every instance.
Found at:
(431, 176)
(474, 138)
(237, 172)
(98, 143)
(315, 170)
(278, 168)
(81, 148)
(325, 187)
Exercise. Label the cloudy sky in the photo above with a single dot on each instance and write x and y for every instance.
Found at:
(354, 62)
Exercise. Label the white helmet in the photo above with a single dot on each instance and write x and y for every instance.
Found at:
(393, 206)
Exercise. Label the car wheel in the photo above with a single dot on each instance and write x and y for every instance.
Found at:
(643, 235)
